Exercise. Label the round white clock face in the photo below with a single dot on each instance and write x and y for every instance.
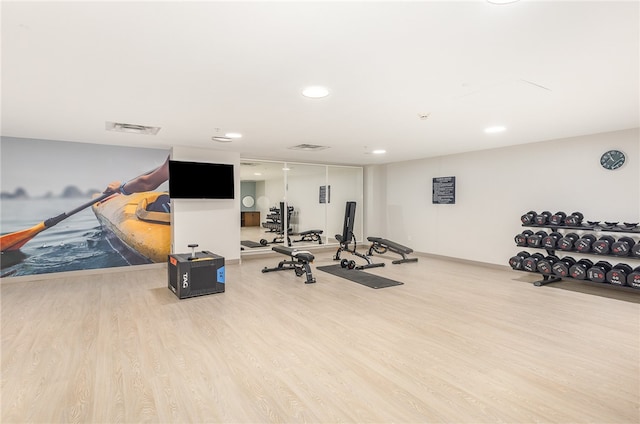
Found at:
(613, 159)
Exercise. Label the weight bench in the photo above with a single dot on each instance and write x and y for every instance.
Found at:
(347, 237)
(310, 235)
(299, 263)
(380, 245)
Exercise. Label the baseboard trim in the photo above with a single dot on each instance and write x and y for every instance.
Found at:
(88, 272)
(462, 260)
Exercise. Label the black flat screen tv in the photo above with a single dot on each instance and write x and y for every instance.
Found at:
(200, 180)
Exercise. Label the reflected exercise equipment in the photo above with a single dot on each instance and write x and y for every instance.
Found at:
(277, 224)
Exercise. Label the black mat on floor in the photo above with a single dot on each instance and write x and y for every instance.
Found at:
(249, 243)
(360, 277)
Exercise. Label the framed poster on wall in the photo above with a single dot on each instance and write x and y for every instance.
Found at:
(443, 191)
(325, 194)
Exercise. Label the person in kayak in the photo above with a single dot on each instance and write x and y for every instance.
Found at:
(146, 182)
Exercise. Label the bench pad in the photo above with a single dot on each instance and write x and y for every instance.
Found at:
(390, 244)
(308, 232)
(301, 255)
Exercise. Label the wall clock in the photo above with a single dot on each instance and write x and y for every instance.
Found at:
(613, 159)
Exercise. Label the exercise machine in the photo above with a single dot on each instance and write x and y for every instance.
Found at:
(284, 222)
(347, 238)
(381, 246)
(310, 235)
(300, 260)
(276, 218)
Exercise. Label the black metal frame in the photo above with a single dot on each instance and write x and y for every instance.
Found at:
(380, 245)
(299, 263)
(548, 279)
(347, 238)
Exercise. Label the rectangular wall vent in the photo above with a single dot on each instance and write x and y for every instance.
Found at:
(131, 128)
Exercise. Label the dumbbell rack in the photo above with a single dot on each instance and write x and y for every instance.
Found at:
(547, 279)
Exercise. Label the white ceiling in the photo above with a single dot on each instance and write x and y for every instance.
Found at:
(543, 69)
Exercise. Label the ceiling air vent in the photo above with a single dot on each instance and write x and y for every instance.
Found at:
(308, 147)
(131, 128)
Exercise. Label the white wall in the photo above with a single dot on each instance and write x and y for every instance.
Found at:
(270, 193)
(495, 187)
(212, 224)
(346, 185)
(303, 195)
(375, 200)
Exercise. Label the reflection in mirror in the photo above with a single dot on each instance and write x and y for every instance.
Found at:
(304, 184)
(248, 201)
(264, 183)
(316, 196)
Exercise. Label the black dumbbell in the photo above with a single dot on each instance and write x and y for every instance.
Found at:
(545, 266)
(542, 218)
(566, 243)
(535, 240)
(515, 262)
(633, 279)
(561, 267)
(551, 241)
(347, 264)
(574, 219)
(618, 274)
(528, 218)
(583, 244)
(635, 250)
(530, 263)
(598, 272)
(623, 246)
(579, 269)
(557, 218)
(602, 246)
(521, 239)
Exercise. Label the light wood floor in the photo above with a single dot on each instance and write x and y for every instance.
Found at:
(457, 343)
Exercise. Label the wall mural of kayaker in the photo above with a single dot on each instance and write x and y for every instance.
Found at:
(69, 206)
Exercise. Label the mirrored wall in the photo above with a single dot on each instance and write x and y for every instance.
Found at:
(299, 204)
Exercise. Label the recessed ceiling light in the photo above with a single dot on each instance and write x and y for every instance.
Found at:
(257, 173)
(315, 92)
(493, 130)
(233, 135)
(379, 152)
(286, 169)
(221, 139)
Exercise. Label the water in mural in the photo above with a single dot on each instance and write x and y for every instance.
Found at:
(75, 243)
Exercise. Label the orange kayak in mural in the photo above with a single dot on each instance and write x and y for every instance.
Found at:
(133, 229)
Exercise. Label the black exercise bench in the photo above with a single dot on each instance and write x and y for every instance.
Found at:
(380, 245)
(310, 235)
(299, 263)
(347, 237)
